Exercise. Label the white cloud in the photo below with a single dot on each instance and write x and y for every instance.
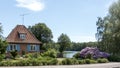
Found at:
(83, 38)
(34, 5)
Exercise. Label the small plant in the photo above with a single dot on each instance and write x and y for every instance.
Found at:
(23, 53)
(69, 61)
(1, 57)
(50, 53)
(77, 56)
(14, 53)
(102, 60)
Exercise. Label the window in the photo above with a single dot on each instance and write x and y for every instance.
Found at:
(32, 47)
(22, 36)
(12, 47)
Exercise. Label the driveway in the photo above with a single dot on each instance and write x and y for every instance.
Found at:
(103, 65)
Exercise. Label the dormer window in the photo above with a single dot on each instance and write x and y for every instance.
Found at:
(22, 36)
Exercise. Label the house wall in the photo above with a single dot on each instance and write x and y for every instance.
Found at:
(24, 47)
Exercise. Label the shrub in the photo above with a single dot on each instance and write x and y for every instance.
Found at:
(69, 61)
(114, 58)
(93, 61)
(87, 61)
(89, 56)
(81, 61)
(90, 61)
(23, 53)
(50, 53)
(102, 60)
(53, 62)
(1, 57)
(13, 53)
(93, 52)
(77, 56)
(32, 55)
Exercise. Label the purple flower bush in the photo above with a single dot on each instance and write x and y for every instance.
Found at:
(93, 52)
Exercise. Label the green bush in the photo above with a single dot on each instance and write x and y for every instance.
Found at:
(30, 62)
(50, 53)
(2, 57)
(23, 53)
(69, 61)
(93, 61)
(89, 56)
(90, 61)
(77, 56)
(114, 58)
(102, 60)
(13, 53)
(81, 61)
(87, 61)
(32, 55)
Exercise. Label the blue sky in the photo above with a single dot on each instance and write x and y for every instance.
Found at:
(76, 18)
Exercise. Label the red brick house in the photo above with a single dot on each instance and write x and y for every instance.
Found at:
(21, 39)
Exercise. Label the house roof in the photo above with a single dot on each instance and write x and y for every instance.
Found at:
(14, 37)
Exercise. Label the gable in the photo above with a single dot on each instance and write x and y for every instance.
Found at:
(14, 36)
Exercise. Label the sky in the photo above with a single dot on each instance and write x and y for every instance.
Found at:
(76, 18)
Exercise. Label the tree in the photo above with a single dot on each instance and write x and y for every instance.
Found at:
(0, 31)
(63, 41)
(41, 32)
(3, 45)
(110, 35)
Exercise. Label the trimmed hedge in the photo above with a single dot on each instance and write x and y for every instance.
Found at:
(102, 60)
(30, 62)
(50, 61)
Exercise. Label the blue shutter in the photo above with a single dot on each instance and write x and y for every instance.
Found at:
(18, 47)
(37, 48)
(8, 48)
(28, 47)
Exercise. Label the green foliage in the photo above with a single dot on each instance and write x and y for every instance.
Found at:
(102, 60)
(89, 56)
(42, 32)
(50, 53)
(30, 62)
(108, 30)
(69, 61)
(114, 58)
(77, 55)
(2, 56)
(13, 53)
(3, 46)
(79, 46)
(50, 45)
(32, 55)
(64, 42)
(0, 31)
(90, 61)
(23, 53)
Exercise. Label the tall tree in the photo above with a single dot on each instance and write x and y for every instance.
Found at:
(3, 44)
(42, 32)
(63, 41)
(1, 30)
(111, 33)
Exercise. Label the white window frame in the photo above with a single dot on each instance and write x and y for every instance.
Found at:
(22, 36)
(13, 47)
(32, 47)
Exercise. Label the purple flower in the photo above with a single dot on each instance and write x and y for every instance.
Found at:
(94, 52)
